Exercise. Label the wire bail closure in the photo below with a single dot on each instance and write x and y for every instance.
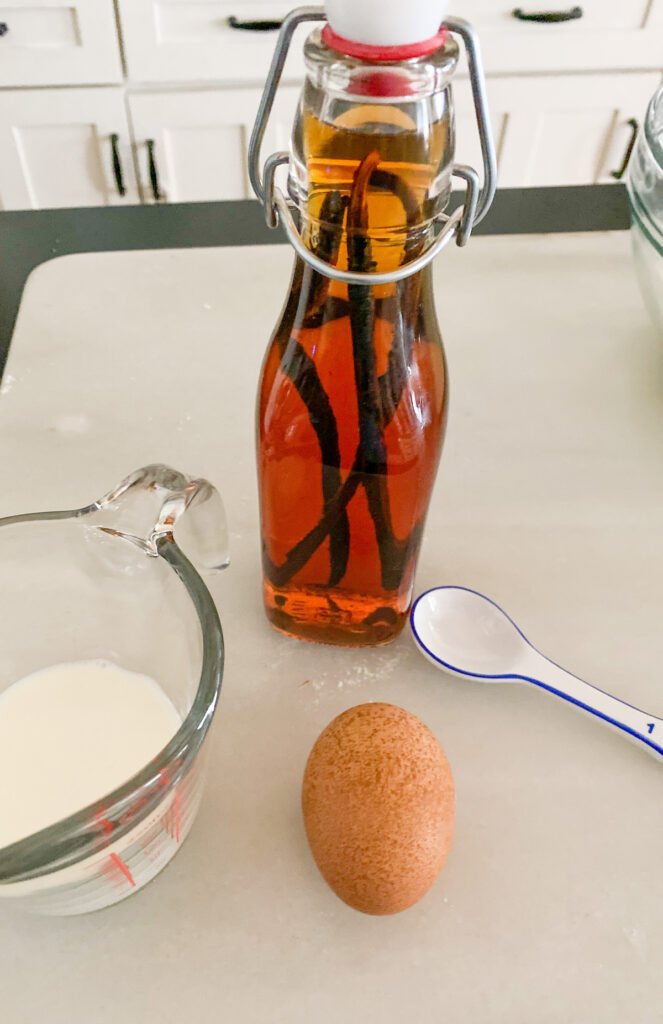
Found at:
(458, 224)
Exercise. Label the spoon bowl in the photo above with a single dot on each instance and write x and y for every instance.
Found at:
(466, 633)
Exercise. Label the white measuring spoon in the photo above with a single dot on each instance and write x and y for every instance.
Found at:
(470, 636)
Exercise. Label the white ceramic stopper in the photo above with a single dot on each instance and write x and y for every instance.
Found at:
(386, 22)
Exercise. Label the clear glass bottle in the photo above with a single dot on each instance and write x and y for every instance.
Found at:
(352, 398)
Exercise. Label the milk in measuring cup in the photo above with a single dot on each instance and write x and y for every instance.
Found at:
(71, 733)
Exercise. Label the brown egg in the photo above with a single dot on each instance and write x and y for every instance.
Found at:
(378, 804)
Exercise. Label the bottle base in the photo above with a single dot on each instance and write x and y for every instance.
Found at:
(340, 619)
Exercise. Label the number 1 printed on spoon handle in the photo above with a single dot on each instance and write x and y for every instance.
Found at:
(647, 729)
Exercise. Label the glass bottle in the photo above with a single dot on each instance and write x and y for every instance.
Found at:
(353, 392)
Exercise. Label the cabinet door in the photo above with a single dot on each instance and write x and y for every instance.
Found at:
(56, 149)
(193, 40)
(178, 40)
(58, 42)
(194, 144)
(608, 34)
(555, 130)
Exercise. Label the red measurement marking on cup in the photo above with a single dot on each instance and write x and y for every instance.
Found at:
(168, 820)
(110, 871)
(105, 825)
(117, 862)
(123, 868)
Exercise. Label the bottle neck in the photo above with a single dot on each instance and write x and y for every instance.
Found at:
(373, 224)
(371, 160)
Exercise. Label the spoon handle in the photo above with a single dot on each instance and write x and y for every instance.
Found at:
(638, 725)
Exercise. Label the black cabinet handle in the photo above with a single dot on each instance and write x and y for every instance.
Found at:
(4, 28)
(154, 176)
(548, 17)
(254, 26)
(117, 166)
(633, 124)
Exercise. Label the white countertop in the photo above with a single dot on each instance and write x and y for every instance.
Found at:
(549, 499)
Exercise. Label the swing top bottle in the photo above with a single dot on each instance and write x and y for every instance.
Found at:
(352, 400)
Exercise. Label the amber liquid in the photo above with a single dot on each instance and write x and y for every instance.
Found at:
(351, 406)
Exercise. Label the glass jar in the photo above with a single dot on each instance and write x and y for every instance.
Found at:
(644, 183)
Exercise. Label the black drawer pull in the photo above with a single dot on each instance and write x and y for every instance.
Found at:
(254, 26)
(4, 28)
(154, 176)
(117, 166)
(548, 17)
(633, 125)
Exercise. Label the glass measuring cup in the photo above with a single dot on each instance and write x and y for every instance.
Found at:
(110, 581)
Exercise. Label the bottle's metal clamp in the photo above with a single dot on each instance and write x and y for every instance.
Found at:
(459, 224)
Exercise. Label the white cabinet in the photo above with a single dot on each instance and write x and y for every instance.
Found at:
(192, 145)
(193, 40)
(561, 94)
(609, 34)
(564, 130)
(65, 147)
(51, 42)
(58, 147)
(570, 130)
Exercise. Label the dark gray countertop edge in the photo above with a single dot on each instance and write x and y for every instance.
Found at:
(31, 237)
